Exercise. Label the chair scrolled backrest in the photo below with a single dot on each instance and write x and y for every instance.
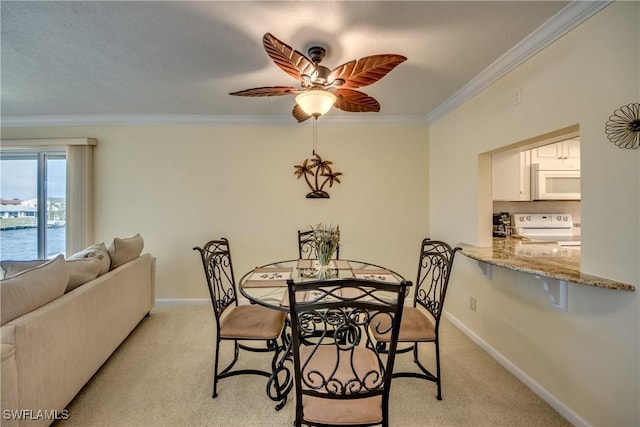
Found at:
(335, 356)
(307, 245)
(218, 270)
(434, 270)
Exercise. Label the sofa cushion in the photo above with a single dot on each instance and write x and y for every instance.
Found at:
(98, 250)
(82, 270)
(33, 288)
(11, 268)
(124, 250)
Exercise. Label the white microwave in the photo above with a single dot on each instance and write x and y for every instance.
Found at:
(547, 184)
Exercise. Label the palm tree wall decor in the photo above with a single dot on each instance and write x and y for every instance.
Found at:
(322, 174)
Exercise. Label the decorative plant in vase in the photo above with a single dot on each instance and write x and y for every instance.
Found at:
(326, 239)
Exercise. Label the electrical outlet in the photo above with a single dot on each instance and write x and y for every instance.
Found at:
(472, 304)
(517, 99)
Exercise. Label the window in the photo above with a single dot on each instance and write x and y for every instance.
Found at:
(47, 197)
(33, 207)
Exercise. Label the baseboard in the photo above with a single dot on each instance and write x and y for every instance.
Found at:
(194, 301)
(543, 393)
(170, 302)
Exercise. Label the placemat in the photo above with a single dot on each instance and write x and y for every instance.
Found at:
(311, 295)
(268, 277)
(339, 264)
(300, 296)
(380, 275)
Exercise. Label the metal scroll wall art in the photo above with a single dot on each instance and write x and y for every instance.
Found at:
(321, 174)
(317, 172)
(623, 127)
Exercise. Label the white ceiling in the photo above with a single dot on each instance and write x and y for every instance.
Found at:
(93, 62)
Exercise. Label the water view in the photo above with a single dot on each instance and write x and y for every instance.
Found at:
(21, 244)
(24, 189)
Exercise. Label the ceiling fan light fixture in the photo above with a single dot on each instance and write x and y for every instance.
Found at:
(316, 102)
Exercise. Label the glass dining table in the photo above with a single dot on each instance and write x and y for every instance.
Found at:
(267, 286)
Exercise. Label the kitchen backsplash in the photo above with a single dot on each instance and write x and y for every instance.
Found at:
(544, 206)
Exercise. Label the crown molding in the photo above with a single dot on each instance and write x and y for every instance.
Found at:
(204, 120)
(134, 120)
(558, 25)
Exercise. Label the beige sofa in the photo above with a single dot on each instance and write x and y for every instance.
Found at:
(49, 353)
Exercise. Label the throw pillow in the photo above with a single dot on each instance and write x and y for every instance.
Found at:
(122, 251)
(98, 250)
(33, 288)
(82, 270)
(11, 268)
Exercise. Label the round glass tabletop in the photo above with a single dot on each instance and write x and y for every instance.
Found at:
(267, 285)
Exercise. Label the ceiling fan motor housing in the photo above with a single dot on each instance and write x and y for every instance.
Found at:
(316, 54)
(321, 75)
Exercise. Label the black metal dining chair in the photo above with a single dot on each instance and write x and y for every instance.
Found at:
(236, 322)
(340, 376)
(307, 245)
(421, 322)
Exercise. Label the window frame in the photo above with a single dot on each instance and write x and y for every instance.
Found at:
(41, 157)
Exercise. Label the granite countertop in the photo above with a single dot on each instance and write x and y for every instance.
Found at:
(544, 259)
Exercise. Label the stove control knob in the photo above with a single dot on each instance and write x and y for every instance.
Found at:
(559, 217)
(528, 217)
(565, 218)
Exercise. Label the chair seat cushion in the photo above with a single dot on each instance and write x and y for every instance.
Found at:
(320, 369)
(415, 326)
(252, 322)
(342, 412)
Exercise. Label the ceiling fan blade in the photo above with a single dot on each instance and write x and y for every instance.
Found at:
(355, 102)
(267, 91)
(365, 71)
(288, 59)
(299, 114)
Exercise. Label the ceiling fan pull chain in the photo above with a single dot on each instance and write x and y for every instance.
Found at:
(315, 136)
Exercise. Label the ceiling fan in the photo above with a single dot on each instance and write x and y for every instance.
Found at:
(319, 84)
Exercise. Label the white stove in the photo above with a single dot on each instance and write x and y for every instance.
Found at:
(545, 228)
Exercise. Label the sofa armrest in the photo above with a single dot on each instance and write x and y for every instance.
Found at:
(153, 281)
(9, 380)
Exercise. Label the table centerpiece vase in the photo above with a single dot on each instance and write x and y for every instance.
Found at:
(326, 242)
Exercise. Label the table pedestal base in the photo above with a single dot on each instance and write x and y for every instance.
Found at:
(280, 382)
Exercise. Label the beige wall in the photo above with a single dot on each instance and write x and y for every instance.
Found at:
(585, 360)
(181, 186)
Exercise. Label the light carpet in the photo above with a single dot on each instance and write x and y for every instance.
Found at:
(162, 376)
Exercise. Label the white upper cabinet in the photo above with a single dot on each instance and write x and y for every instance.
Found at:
(561, 155)
(510, 176)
